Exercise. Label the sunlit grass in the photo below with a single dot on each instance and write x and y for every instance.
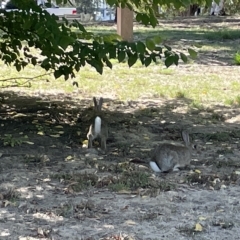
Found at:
(236, 58)
(141, 82)
(201, 84)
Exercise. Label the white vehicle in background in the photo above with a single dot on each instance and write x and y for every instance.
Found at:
(49, 7)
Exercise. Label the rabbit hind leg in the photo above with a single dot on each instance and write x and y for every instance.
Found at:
(103, 143)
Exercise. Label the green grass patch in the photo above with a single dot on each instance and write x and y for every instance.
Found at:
(224, 34)
(236, 58)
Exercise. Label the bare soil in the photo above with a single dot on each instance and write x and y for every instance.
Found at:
(53, 187)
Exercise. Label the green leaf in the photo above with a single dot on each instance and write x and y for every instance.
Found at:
(27, 24)
(150, 44)
(59, 2)
(167, 53)
(153, 57)
(111, 2)
(158, 49)
(77, 66)
(143, 18)
(45, 62)
(132, 46)
(24, 64)
(121, 56)
(192, 53)
(139, 17)
(80, 26)
(141, 48)
(153, 20)
(41, 30)
(7, 59)
(176, 59)
(112, 53)
(157, 39)
(102, 53)
(147, 61)
(198, 45)
(185, 3)
(83, 62)
(75, 83)
(142, 59)
(34, 61)
(184, 57)
(169, 61)
(66, 77)
(65, 41)
(98, 65)
(209, 3)
(168, 47)
(57, 74)
(18, 67)
(132, 60)
(108, 63)
(217, 1)
(31, 43)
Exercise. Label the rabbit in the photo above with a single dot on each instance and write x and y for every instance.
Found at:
(167, 156)
(98, 128)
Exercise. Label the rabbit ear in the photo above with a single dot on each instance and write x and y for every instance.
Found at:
(100, 104)
(95, 103)
(185, 137)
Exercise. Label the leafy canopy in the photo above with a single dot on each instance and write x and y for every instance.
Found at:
(65, 47)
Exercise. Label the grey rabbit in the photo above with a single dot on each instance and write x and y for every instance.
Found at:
(168, 156)
(98, 127)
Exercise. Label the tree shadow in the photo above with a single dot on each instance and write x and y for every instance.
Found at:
(65, 121)
(56, 166)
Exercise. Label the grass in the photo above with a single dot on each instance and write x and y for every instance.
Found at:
(203, 83)
(139, 82)
(223, 34)
(173, 32)
(237, 58)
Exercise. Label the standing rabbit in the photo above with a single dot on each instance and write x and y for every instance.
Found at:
(167, 156)
(98, 128)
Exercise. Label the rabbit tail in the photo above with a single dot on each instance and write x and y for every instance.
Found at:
(97, 125)
(154, 166)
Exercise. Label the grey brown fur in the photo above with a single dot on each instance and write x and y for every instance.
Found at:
(169, 156)
(103, 135)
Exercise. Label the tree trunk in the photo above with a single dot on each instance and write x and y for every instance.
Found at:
(192, 9)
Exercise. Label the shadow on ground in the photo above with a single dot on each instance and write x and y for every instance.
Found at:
(48, 178)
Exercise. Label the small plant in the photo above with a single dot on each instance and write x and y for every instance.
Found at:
(9, 140)
(219, 136)
(77, 182)
(180, 95)
(117, 187)
(236, 58)
(237, 100)
(217, 116)
(131, 180)
(11, 195)
(224, 151)
(197, 105)
(229, 102)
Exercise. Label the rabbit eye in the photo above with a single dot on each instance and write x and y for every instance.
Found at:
(194, 146)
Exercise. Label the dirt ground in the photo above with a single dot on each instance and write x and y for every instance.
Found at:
(53, 187)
